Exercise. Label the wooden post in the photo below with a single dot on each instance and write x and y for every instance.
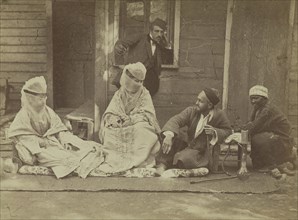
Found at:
(101, 62)
(229, 21)
(177, 31)
(116, 21)
(289, 53)
(3, 95)
(49, 17)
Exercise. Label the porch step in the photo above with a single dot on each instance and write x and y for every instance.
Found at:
(6, 144)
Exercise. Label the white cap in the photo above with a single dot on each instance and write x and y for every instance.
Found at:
(259, 90)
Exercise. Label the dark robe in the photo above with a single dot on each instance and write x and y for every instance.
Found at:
(193, 154)
(271, 142)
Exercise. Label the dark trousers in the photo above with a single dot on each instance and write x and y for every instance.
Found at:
(268, 149)
(167, 159)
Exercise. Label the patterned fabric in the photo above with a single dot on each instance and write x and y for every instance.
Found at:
(122, 133)
(36, 170)
(171, 173)
(132, 173)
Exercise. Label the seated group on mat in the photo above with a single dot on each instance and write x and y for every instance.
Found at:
(130, 136)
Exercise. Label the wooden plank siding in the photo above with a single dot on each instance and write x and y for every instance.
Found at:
(293, 79)
(23, 44)
(201, 56)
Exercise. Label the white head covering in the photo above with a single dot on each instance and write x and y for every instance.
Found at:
(37, 85)
(138, 70)
(38, 114)
(131, 89)
(259, 90)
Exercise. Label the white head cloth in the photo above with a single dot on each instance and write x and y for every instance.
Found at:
(36, 85)
(259, 90)
(138, 70)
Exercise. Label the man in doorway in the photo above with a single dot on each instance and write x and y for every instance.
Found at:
(269, 129)
(206, 126)
(146, 49)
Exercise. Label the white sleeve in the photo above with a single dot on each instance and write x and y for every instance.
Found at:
(169, 133)
(214, 139)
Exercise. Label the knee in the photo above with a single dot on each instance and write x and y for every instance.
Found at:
(261, 139)
(24, 155)
(180, 164)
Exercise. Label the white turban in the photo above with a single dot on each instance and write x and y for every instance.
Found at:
(259, 90)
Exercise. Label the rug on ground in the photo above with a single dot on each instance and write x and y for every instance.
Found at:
(256, 183)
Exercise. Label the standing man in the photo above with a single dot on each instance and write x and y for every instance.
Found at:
(147, 50)
(269, 129)
(206, 125)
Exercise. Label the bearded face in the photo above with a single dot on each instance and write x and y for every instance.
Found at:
(257, 100)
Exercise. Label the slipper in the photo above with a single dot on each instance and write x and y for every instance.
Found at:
(276, 173)
(287, 171)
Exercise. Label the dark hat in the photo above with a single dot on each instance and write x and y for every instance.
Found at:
(211, 95)
(160, 23)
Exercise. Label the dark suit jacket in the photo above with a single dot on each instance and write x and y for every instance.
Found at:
(190, 117)
(139, 50)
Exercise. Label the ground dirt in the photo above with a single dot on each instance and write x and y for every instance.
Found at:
(151, 205)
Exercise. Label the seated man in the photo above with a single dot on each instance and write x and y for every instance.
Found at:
(42, 139)
(129, 130)
(206, 125)
(269, 129)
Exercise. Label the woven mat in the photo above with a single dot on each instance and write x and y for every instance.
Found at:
(257, 183)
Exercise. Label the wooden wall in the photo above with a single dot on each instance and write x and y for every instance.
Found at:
(23, 44)
(293, 79)
(258, 54)
(201, 56)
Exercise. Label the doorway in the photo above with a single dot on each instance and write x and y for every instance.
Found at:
(73, 53)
